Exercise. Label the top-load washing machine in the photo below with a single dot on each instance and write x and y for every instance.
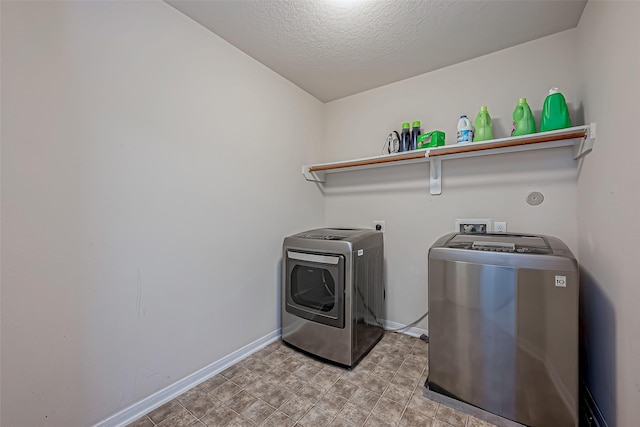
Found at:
(332, 292)
(503, 325)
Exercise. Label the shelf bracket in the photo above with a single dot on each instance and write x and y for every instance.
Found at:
(435, 176)
(312, 176)
(585, 145)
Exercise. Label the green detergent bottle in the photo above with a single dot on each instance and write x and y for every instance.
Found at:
(523, 121)
(555, 114)
(483, 125)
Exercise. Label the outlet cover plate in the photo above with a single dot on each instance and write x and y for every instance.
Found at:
(499, 226)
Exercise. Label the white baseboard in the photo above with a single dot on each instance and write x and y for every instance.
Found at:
(163, 396)
(411, 331)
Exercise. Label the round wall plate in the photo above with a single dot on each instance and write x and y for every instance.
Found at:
(535, 198)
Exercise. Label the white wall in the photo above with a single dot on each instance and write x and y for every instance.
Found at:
(608, 204)
(149, 173)
(485, 187)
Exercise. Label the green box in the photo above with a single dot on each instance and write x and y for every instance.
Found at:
(430, 139)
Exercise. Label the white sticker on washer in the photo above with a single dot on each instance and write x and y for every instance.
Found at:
(360, 252)
(561, 281)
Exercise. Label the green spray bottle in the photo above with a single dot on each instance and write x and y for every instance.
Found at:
(523, 120)
(483, 125)
(555, 114)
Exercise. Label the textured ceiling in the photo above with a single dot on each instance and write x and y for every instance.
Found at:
(336, 48)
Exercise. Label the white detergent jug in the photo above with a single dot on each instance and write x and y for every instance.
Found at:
(465, 129)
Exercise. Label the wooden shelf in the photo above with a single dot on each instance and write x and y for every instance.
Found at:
(581, 138)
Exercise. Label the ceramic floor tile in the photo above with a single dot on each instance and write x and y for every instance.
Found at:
(182, 418)
(365, 398)
(333, 369)
(291, 364)
(258, 412)
(411, 370)
(311, 392)
(275, 345)
(165, 411)
(213, 383)
(406, 339)
(375, 384)
(233, 371)
(278, 419)
(306, 371)
(267, 389)
(219, 416)
(325, 379)
(398, 353)
(413, 418)
(241, 401)
(316, 417)
(332, 403)
(423, 405)
(397, 394)
(439, 423)
(225, 392)
(384, 373)
(475, 422)
(258, 386)
(404, 381)
(374, 357)
(343, 388)
(389, 409)
(293, 383)
(423, 380)
(376, 420)
(417, 359)
(190, 395)
(296, 407)
(353, 413)
(259, 367)
(451, 416)
(390, 363)
(364, 366)
(277, 375)
(357, 378)
(238, 421)
(421, 349)
(277, 397)
(202, 404)
(275, 358)
(285, 349)
(141, 422)
(340, 422)
(245, 379)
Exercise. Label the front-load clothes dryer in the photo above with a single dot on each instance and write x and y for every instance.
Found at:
(503, 325)
(332, 292)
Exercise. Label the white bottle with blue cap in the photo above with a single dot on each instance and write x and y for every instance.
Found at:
(465, 129)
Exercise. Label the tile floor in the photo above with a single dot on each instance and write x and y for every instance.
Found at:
(280, 387)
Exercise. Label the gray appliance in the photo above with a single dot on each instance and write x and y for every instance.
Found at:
(503, 325)
(332, 292)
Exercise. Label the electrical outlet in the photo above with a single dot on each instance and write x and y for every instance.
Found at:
(475, 226)
(499, 227)
(378, 225)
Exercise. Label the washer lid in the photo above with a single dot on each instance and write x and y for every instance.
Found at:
(518, 243)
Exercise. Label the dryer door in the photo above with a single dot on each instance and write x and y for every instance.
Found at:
(315, 287)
